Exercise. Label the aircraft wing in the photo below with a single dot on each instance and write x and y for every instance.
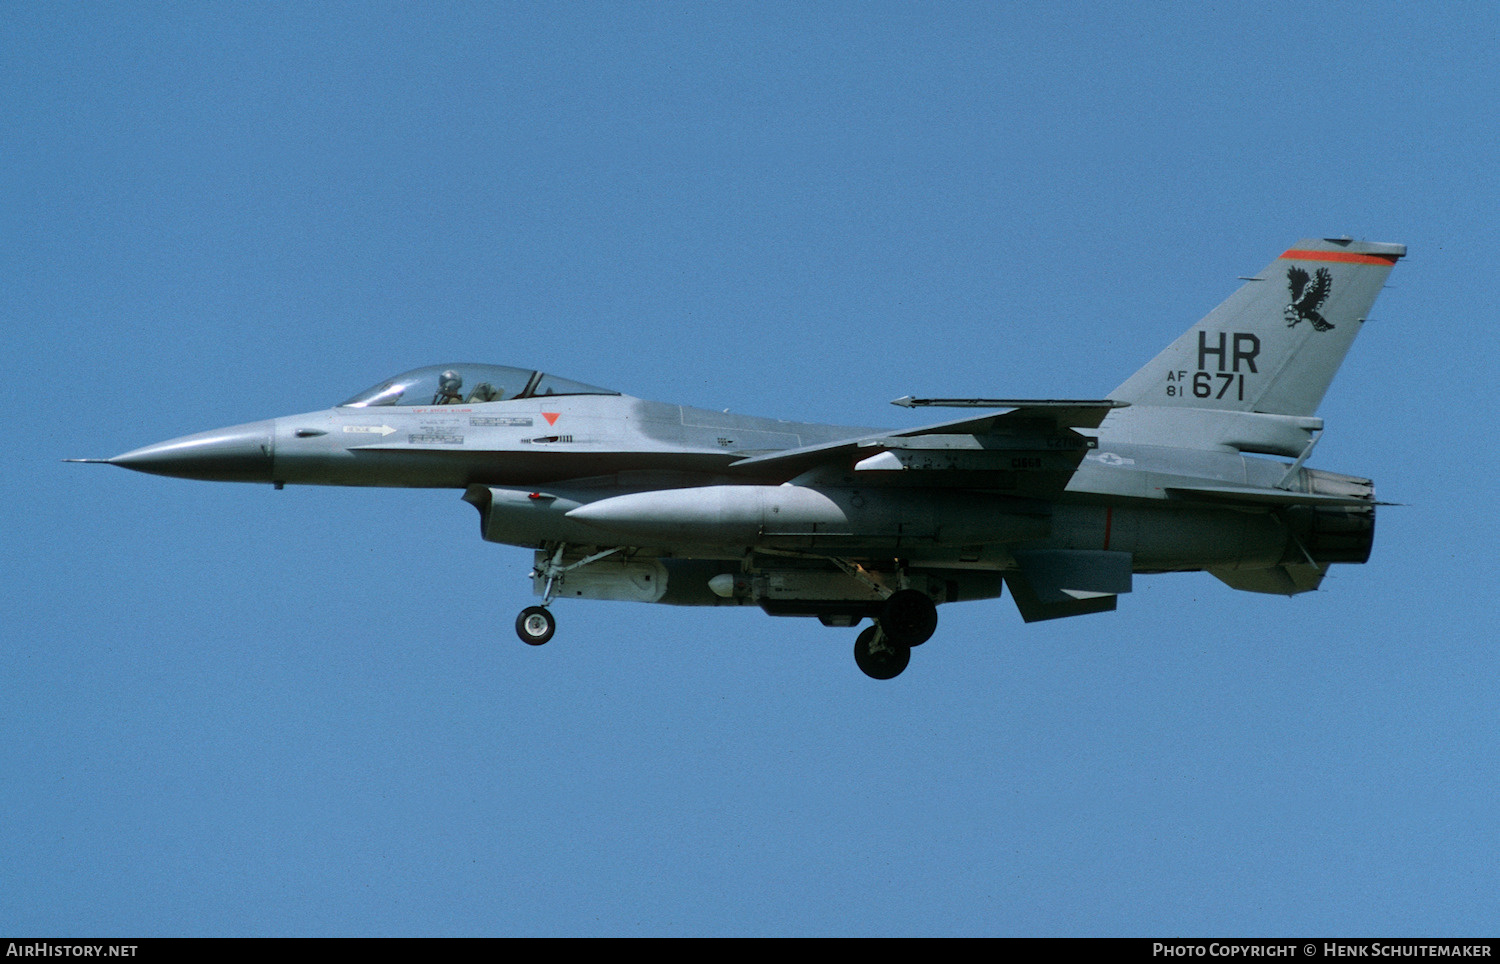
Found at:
(1029, 448)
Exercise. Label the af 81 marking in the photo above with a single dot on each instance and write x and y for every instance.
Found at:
(1203, 383)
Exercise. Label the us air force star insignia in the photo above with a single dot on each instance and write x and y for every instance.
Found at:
(1110, 458)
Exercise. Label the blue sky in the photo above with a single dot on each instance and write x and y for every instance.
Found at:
(227, 710)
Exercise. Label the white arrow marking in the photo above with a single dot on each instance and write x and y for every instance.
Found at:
(381, 430)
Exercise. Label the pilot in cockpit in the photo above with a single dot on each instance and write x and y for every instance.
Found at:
(450, 385)
(449, 382)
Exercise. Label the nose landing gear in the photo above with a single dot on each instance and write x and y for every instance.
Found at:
(535, 625)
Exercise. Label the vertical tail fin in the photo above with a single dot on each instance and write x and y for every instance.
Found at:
(1274, 345)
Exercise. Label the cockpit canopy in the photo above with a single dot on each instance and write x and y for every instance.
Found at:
(466, 384)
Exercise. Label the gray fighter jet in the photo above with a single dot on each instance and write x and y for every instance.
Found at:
(1181, 468)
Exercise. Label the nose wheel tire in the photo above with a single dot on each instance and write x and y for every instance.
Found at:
(535, 625)
(878, 657)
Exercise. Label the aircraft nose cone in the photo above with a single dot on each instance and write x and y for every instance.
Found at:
(240, 453)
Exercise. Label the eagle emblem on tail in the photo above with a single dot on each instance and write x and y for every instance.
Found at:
(1308, 298)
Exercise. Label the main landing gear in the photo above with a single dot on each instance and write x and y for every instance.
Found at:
(908, 618)
(877, 657)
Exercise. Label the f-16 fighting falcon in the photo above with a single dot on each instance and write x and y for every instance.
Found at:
(1196, 462)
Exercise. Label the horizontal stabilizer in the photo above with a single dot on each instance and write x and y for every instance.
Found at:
(1250, 496)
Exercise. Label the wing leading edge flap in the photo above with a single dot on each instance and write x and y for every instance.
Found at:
(1066, 412)
(1055, 583)
(1058, 417)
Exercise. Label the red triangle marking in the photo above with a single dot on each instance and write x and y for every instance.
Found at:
(551, 417)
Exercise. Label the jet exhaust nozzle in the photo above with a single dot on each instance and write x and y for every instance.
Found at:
(1337, 533)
